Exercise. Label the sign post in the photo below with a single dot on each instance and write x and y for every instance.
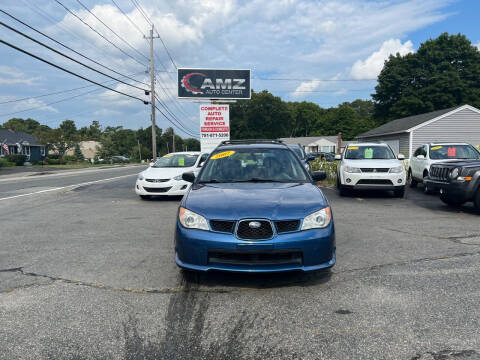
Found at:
(214, 125)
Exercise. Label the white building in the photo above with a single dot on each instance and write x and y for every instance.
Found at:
(315, 143)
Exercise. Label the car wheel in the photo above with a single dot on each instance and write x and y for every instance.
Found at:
(399, 192)
(451, 201)
(413, 183)
(145, 197)
(426, 189)
(476, 201)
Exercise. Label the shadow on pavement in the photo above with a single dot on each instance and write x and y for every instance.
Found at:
(257, 280)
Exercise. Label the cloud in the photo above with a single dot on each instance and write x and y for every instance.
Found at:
(477, 45)
(372, 65)
(12, 76)
(34, 104)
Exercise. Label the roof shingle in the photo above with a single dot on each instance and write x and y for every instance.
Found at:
(11, 137)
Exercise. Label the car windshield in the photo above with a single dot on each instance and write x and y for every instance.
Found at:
(253, 165)
(297, 151)
(176, 160)
(365, 152)
(438, 152)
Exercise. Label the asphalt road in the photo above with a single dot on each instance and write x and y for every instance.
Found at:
(88, 273)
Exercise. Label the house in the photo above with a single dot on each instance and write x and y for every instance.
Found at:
(315, 143)
(457, 124)
(89, 149)
(19, 142)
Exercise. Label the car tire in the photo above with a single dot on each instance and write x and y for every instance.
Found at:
(145, 197)
(426, 189)
(341, 189)
(476, 200)
(413, 183)
(450, 201)
(400, 193)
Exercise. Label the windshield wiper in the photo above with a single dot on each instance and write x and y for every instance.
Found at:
(259, 180)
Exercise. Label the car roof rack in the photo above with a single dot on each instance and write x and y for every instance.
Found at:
(252, 141)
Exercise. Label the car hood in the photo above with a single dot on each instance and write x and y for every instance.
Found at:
(164, 173)
(372, 163)
(463, 163)
(275, 201)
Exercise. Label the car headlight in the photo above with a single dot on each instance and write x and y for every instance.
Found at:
(179, 177)
(140, 176)
(454, 173)
(191, 220)
(397, 169)
(317, 220)
(351, 169)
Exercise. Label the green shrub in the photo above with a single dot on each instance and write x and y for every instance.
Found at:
(5, 163)
(330, 169)
(17, 159)
(53, 161)
(69, 158)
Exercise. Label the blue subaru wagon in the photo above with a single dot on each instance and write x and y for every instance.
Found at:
(254, 208)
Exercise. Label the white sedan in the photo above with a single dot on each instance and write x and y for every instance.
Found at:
(164, 177)
(371, 166)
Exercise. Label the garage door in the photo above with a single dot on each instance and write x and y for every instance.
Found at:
(394, 144)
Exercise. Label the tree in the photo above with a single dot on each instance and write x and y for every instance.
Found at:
(78, 153)
(26, 125)
(443, 73)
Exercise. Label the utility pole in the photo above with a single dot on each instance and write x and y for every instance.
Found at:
(173, 140)
(152, 93)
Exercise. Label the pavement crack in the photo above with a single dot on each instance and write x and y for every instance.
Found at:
(406, 262)
(456, 239)
(95, 285)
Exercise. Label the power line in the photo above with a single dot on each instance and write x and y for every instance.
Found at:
(185, 132)
(140, 10)
(173, 115)
(68, 71)
(103, 37)
(54, 93)
(68, 57)
(68, 47)
(309, 79)
(129, 19)
(109, 28)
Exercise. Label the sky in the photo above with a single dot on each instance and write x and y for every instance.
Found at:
(326, 52)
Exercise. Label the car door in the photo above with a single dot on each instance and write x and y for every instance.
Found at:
(414, 162)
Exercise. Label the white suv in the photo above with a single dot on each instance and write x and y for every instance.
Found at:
(371, 166)
(432, 153)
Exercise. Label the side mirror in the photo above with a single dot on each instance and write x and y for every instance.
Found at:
(201, 164)
(420, 157)
(188, 176)
(319, 176)
(151, 164)
(338, 157)
(401, 157)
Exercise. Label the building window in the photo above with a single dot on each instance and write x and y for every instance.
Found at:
(26, 150)
(42, 150)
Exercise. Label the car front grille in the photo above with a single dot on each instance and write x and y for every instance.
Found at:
(440, 173)
(380, 170)
(247, 232)
(156, 180)
(374, 182)
(284, 226)
(157, 190)
(225, 226)
(239, 257)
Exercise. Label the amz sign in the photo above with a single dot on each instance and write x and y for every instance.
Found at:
(213, 84)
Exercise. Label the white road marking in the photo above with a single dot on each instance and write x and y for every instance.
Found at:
(65, 187)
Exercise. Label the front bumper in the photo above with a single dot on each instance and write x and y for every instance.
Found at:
(168, 188)
(194, 249)
(374, 180)
(462, 191)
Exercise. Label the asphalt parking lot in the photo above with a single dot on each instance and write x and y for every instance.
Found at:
(88, 273)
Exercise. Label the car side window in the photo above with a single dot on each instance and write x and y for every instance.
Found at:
(203, 159)
(417, 152)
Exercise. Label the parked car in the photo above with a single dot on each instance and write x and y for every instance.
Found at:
(302, 155)
(325, 156)
(164, 177)
(432, 153)
(120, 159)
(371, 166)
(264, 216)
(458, 182)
